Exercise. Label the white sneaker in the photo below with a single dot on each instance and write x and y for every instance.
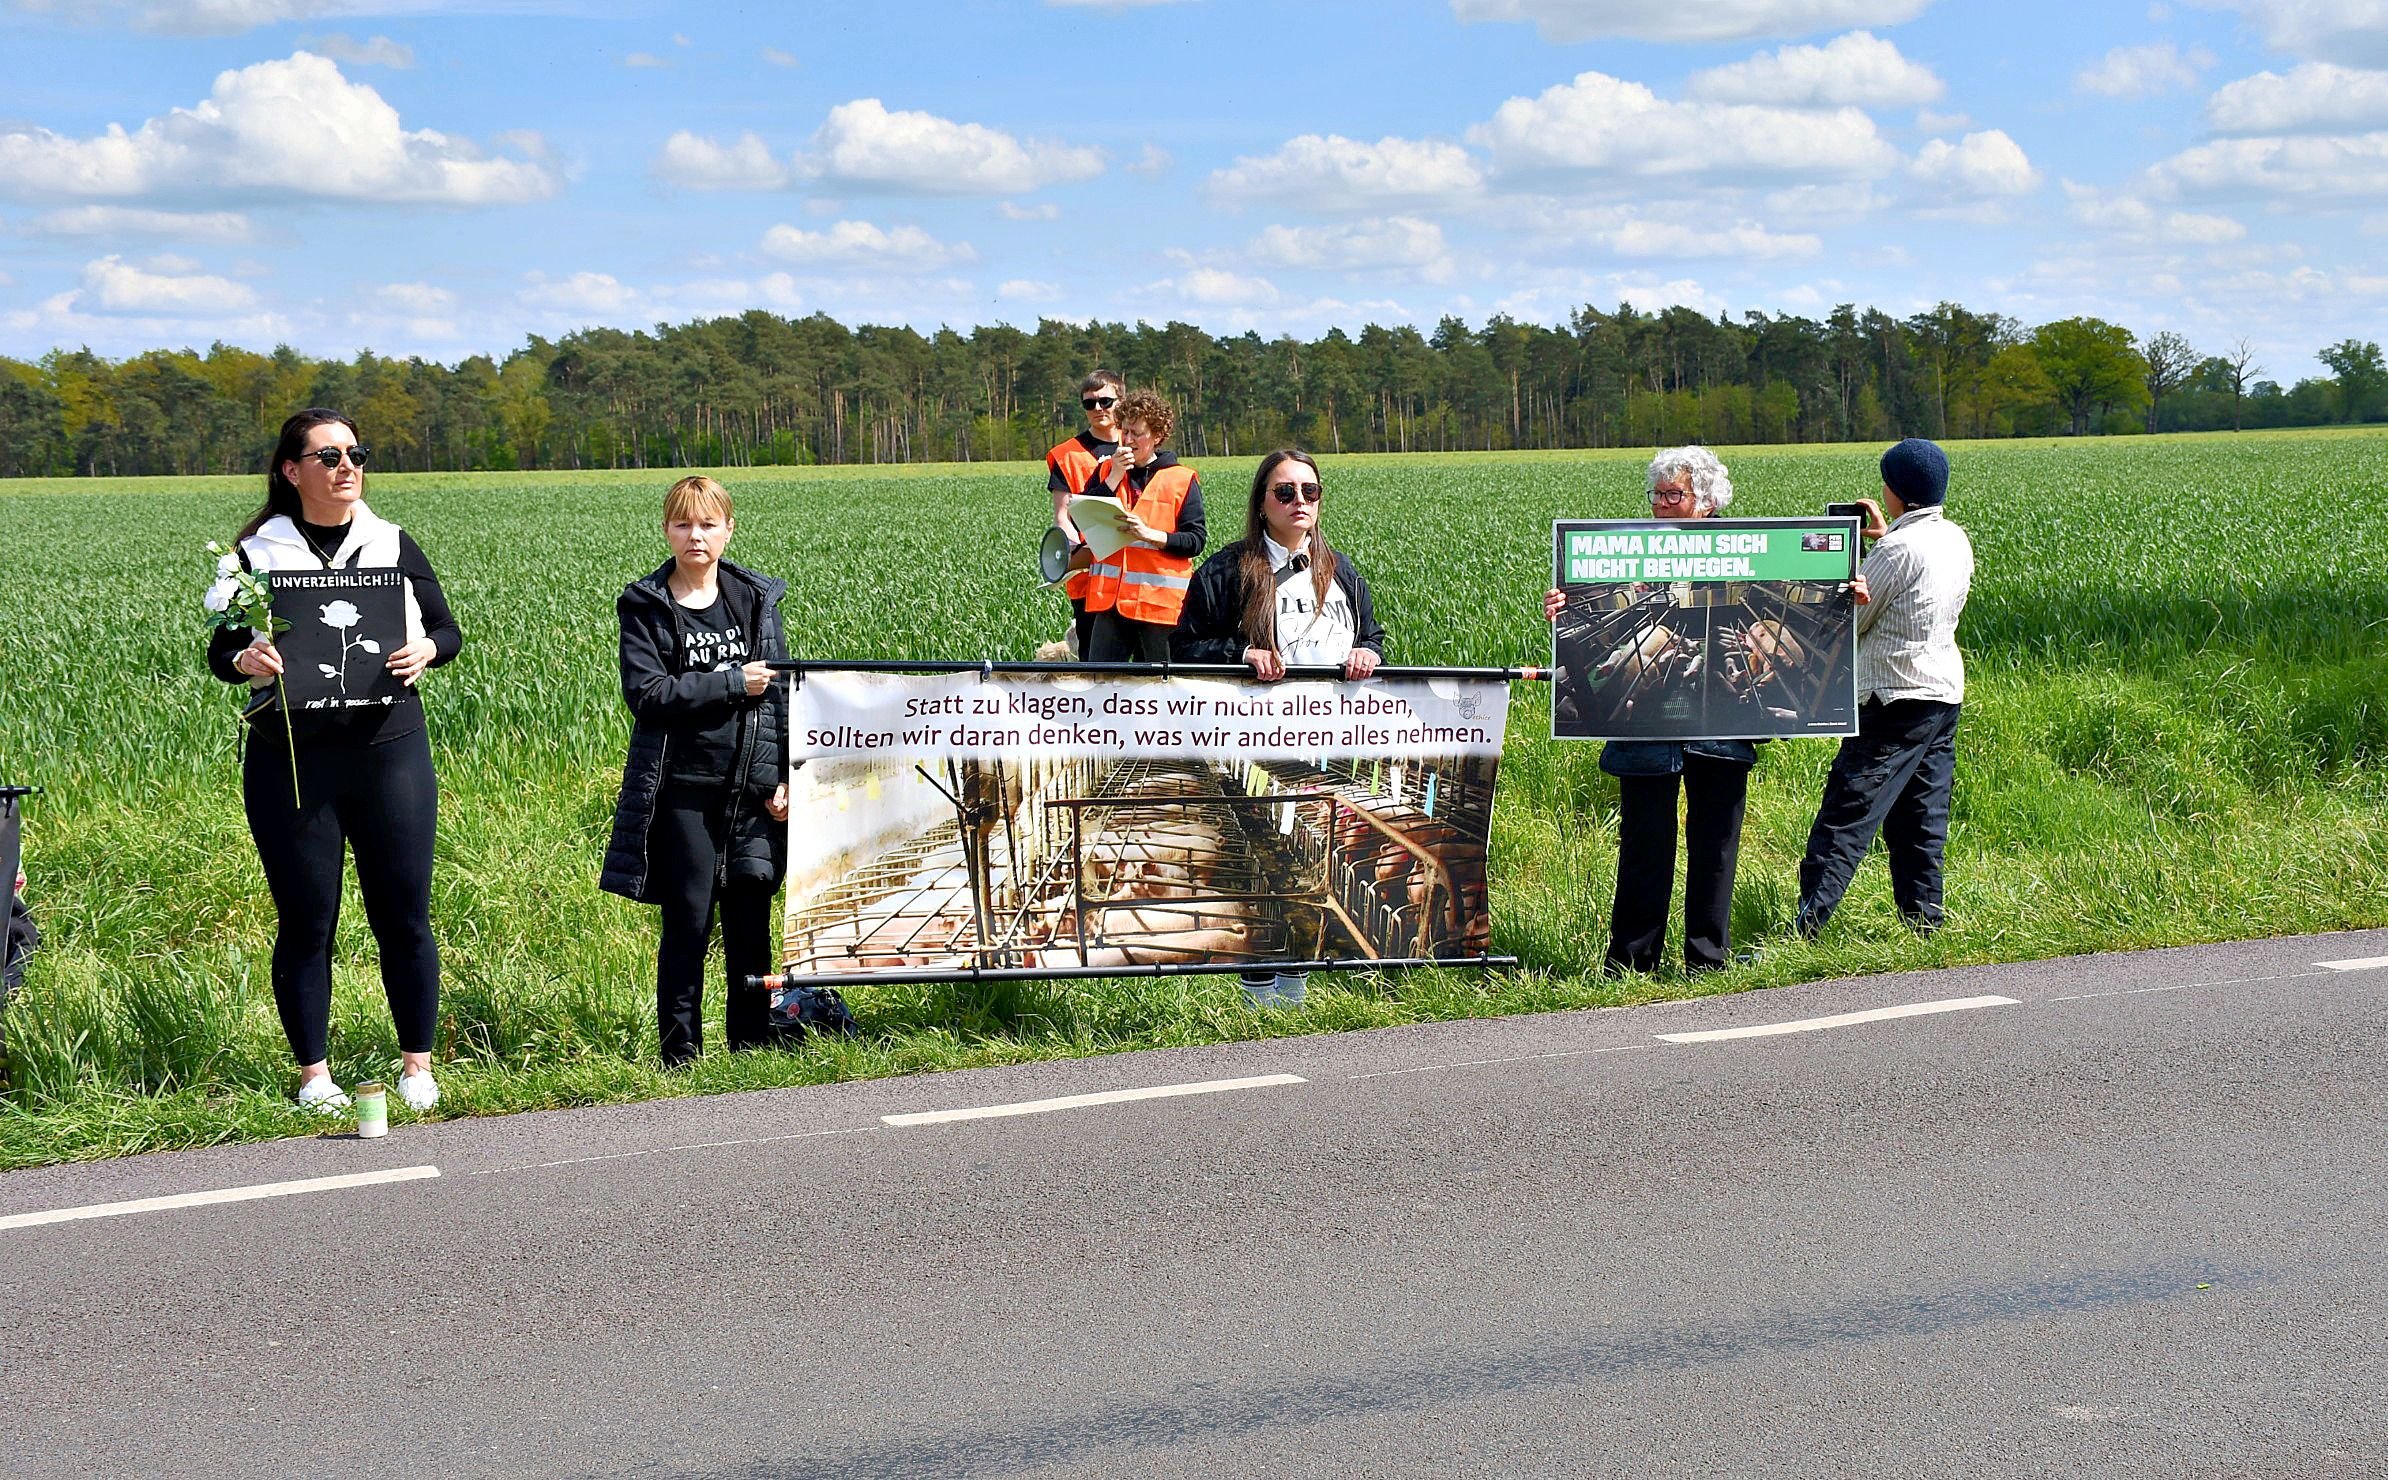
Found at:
(322, 1096)
(419, 1091)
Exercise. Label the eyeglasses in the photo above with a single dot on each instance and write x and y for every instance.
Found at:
(1099, 403)
(330, 456)
(1286, 493)
(1672, 495)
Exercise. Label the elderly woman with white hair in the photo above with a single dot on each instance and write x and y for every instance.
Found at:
(1713, 775)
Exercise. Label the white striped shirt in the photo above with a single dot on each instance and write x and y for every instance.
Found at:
(1917, 576)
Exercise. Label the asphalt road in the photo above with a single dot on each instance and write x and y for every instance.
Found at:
(2131, 1222)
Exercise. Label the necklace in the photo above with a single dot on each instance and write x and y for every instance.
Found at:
(320, 553)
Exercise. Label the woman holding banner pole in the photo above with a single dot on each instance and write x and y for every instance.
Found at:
(1281, 596)
(1713, 775)
(364, 778)
(697, 826)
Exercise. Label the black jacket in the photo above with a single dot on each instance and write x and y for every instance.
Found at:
(1211, 629)
(664, 703)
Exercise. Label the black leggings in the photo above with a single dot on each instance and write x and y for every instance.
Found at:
(685, 843)
(382, 801)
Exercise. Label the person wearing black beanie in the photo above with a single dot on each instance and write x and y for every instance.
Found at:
(1895, 774)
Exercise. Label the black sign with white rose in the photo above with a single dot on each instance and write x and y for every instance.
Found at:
(344, 624)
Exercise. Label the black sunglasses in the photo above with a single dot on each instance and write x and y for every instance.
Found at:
(1309, 493)
(1099, 403)
(330, 456)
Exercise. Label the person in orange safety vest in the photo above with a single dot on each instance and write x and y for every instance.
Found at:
(1070, 466)
(1136, 595)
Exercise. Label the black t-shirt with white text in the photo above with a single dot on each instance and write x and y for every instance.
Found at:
(710, 641)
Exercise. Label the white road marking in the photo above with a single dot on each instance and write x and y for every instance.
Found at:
(1522, 1058)
(219, 1195)
(1837, 1020)
(2359, 963)
(1106, 1097)
(2235, 981)
(574, 1161)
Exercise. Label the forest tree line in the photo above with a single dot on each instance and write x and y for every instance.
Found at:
(759, 389)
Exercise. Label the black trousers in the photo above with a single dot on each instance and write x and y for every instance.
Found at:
(1715, 794)
(685, 844)
(1893, 777)
(1082, 621)
(380, 802)
(1118, 639)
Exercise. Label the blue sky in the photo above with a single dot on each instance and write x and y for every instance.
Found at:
(443, 178)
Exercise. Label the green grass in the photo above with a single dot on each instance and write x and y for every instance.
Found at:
(2174, 733)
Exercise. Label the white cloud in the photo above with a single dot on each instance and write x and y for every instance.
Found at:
(1977, 166)
(1401, 243)
(182, 17)
(1332, 173)
(1932, 122)
(694, 162)
(294, 127)
(2315, 97)
(1606, 125)
(644, 59)
(1646, 238)
(2347, 31)
(863, 244)
(1567, 21)
(584, 292)
(1860, 69)
(864, 145)
(379, 51)
(1551, 227)
(2143, 71)
(1154, 160)
(416, 298)
(1028, 290)
(1042, 211)
(167, 286)
(1218, 288)
(1838, 203)
(2133, 217)
(2351, 168)
(197, 226)
(419, 312)
(778, 58)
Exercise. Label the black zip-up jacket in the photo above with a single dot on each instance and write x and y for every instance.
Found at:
(1211, 629)
(665, 703)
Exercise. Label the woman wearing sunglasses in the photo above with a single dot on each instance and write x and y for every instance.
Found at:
(1281, 597)
(364, 776)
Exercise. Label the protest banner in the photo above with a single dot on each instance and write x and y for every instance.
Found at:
(1081, 822)
(1704, 629)
(344, 624)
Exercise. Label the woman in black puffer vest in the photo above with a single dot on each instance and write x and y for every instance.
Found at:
(705, 790)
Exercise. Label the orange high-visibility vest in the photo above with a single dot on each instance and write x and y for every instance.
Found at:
(1145, 585)
(1076, 466)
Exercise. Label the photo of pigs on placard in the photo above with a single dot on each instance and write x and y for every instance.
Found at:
(344, 624)
(1705, 630)
(1168, 849)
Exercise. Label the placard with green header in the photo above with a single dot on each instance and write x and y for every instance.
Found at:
(1704, 629)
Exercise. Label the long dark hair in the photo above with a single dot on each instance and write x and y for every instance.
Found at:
(1260, 582)
(282, 495)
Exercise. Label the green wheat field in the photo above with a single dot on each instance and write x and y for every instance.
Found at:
(2174, 732)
